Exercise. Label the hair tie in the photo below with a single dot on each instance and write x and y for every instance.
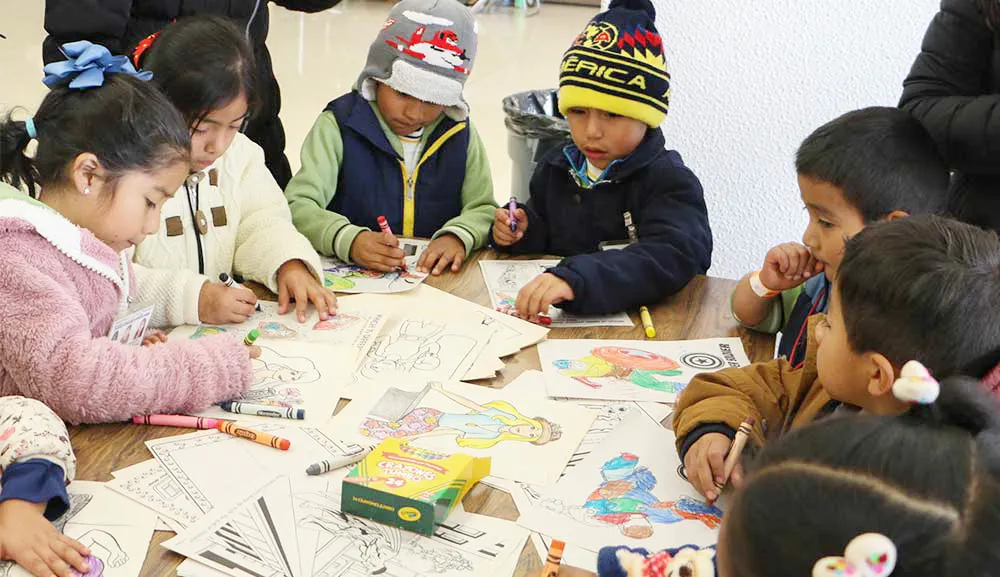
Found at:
(86, 65)
(916, 385)
(29, 125)
(867, 555)
(142, 47)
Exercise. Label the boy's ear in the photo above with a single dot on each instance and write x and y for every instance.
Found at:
(881, 375)
(896, 214)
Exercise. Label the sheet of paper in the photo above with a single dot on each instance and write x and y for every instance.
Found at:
(627, 491)
(149, 483)
(573, 556)
(508, 334)
(528, 437)
(420, 347)
(348, 546)
(633, 370)
(505, 278)
(116, 530)
(252, 538)
(295, 375)
(349, 328)
(341, 277)
(194, 460)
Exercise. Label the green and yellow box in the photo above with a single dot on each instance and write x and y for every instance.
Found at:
(409, 487)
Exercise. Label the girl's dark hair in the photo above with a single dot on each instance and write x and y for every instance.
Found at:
(926, 480)
(202, 63)
(127, 123)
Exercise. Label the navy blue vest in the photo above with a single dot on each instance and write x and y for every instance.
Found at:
(371, 180)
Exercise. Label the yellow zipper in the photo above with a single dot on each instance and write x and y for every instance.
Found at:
(410, 181)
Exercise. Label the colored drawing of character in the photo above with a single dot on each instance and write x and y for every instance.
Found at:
(642, 368)
(339, 277)
(481, 428)
(338, 322)
(276, 330)
(626, 499)
(208, 330)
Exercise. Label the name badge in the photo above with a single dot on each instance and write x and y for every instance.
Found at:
(131, 328)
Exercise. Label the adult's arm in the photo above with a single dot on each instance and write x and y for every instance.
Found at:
(949, 88)
(307, 5)
(100, 21)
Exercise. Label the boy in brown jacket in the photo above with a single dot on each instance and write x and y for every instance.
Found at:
(920, 288)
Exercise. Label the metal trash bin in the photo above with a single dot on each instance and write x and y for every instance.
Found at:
(534, 127)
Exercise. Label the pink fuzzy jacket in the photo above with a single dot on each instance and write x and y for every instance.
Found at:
(60, 291)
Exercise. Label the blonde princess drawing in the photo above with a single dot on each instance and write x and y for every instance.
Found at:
(481, 428)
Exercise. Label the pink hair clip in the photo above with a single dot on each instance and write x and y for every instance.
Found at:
(867, 555)
(916, 385)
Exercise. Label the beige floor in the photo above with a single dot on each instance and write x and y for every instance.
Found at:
(318, 56)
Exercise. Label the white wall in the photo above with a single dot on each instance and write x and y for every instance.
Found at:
(752, 78)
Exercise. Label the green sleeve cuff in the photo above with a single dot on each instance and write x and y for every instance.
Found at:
(343, 239)
(463, 235)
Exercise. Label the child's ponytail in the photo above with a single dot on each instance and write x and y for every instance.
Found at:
(98, 104)
(16, 167)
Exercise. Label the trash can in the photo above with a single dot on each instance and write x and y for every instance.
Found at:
(534, 127)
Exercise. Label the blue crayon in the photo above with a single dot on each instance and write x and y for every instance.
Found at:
(242, 408)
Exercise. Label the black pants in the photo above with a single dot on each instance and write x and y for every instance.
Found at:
(265, 127)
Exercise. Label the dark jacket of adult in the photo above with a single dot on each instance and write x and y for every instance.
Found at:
(121, 24)
(954, 90)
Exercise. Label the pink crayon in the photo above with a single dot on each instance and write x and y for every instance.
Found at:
(180, 421)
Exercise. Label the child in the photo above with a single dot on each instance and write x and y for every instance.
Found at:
(400, 145)
(230, 216)
(921, 287)
(914, 495)
(111, 150)
(615, 182)
(926, 482)
(37, 462)
(865, 166)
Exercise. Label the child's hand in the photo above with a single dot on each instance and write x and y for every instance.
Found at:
(705, 465)
(788, 265)
(296, 282)
(565, 571)
(29, 540)
(254, 351)
(502, 236)
(154, 338)
(222, 305)
(378, 251)
(442, 251)
(544, 291)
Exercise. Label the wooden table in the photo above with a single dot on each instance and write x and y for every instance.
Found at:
(701, 310)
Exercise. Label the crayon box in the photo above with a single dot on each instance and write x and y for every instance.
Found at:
(409, 487)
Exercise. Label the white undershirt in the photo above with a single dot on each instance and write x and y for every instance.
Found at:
(411, 149)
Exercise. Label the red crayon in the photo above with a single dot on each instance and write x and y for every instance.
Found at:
(384, 224)
(181, 421)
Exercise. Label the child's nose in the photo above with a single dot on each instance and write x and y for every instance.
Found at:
(594, 129)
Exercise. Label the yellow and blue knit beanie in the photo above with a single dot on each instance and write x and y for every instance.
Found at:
(617, 65)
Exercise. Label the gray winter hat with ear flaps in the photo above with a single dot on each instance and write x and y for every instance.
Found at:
(425, 50)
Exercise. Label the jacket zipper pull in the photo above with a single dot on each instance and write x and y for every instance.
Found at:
(409, 188)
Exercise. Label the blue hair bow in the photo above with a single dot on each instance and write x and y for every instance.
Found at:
(86, 64)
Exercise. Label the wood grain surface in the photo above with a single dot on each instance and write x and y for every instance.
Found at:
(701, 310)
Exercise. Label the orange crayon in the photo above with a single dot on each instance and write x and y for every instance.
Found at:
(230, 428)
(553, 559)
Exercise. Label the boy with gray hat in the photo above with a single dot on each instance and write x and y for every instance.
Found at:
(400, 145)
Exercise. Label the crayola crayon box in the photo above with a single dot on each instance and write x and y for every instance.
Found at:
(408, 487)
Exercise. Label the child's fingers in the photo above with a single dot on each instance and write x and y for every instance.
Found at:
(301, 295)
(33, 563)
(700, 475)
(780, 260)
(80, 548)
(717, 462)
(284, 298)
(389, 239)
(736, 478)
(442, 263)
(70, 557)
(792, 267)
(522, 219)
(457, 261)
(254, 351)
(53, 561)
